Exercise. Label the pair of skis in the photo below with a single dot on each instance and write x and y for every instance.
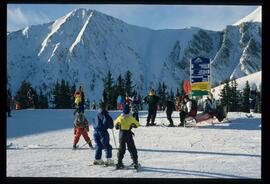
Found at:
(131, 166)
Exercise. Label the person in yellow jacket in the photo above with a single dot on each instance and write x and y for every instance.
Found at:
(125, 122)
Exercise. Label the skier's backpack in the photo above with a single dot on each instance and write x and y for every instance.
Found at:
(194, 106)
(78, 98)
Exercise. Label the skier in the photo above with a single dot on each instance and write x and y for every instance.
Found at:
(152, 101)
(125, 123)
(120, 102)
(127, 99)
(183, 111)
(30, 96)
(81, 127)
(9, 103)
(210, 106)
(135, 107)
(177, 102)
(252, 100)
(79, 100)
(169, 108)
(94, 105)
(102, 122)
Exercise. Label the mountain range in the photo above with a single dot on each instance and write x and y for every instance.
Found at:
(82, 46)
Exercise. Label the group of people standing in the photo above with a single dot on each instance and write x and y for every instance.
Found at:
(101, 123)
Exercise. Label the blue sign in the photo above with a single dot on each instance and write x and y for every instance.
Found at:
(200, 69)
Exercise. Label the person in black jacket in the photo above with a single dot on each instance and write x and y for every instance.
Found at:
(152, 101)
(169, 108)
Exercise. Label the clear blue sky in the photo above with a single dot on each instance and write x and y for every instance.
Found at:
(212, 17)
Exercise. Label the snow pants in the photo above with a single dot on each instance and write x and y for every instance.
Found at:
(136, 115)
(120, 106)
(169, 117)
(102, 140)
(78, 132)
(151, 115)
(125, 137)
(183, 115)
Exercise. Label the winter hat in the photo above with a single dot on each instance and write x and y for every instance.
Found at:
(126, 109)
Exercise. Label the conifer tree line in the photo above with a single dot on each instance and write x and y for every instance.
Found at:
(62, 94)
(124, 85)
(236, 100)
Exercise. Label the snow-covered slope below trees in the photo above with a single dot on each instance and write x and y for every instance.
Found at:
(39, 144)
(82, 46)
(254, 80)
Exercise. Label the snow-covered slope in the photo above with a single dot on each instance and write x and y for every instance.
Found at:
(83, 45)
(39, 144)
(255, 16)
(254, 80)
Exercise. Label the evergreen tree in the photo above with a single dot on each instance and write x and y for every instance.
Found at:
(177, 92)
(246, 94)
(234, 97)
(120, 85)
(128, 83)
(225, 95)
(258, 102)
(21, 95)
(56, 95)
(171, 96)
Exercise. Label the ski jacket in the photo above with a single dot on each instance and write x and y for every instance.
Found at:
(81, 122)
(135, 106)
(103, 121)
(126, 121)
(183, 107)
(152, 101)
(169, 106)
(189, 105)
(79, 97)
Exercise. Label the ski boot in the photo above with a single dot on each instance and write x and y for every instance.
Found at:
(135, 165)
(91, 146)
(74, 147)
(119, 165)
(98, 162)
(108, 162)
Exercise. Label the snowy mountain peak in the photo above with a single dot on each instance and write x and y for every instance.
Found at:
(255, 16)
(78, 39)
(82, 46)
(54, 28)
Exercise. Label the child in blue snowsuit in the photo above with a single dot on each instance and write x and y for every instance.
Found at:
(101, 124)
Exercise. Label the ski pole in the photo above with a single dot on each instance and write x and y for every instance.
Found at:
(84, 144)
(114, 139)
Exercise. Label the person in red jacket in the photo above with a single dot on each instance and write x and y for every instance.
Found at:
(81, 127)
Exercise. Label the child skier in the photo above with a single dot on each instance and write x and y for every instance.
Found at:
(101, 124)
(79, 100)
(125, 122)
(81, 127)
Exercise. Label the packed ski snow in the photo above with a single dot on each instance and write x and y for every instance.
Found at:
(39, 144)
